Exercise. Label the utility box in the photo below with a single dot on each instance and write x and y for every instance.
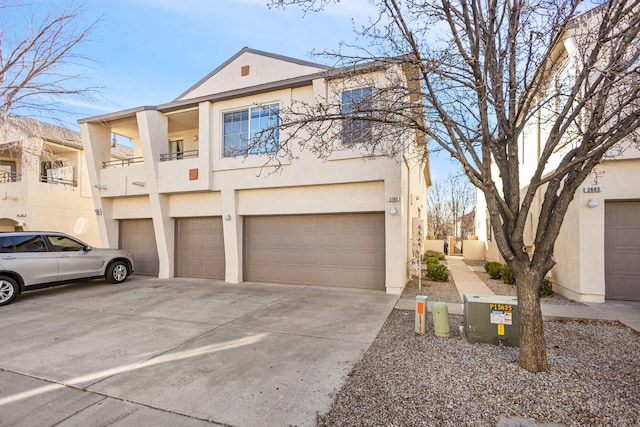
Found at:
(491, 319)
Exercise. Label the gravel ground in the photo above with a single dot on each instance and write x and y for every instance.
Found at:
(406, 379)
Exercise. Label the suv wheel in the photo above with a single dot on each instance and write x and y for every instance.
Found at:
(8, 290)
(117, 272)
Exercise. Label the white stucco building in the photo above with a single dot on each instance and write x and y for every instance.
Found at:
(598, 248)
(187, 206)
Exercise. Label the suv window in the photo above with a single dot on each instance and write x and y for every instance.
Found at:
(62, 244)
(6, 244)
(29, 243)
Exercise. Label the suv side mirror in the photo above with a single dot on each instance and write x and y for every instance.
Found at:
(87, 248)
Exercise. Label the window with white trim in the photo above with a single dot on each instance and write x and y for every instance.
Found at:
(251, 131)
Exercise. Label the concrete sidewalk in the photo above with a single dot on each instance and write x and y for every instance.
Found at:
(468, 282)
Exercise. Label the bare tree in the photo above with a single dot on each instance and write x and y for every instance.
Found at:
(485, 71)
(438, 211)
(450, 203)
(38, 58)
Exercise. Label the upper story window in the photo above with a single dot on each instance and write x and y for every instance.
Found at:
(251, 131)
(563, 85)
(356, 103)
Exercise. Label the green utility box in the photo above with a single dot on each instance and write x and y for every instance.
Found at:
(491, 319)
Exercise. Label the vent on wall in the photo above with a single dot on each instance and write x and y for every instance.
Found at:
(244, 70)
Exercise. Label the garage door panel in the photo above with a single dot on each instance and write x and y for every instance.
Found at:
(200, 248)
(627, 264)
(138, 237)
(622, 250)
(625, 237)
(334, 250)
(623, 288)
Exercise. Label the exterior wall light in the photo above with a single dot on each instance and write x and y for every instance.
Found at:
(393, 211)
(100, 187)
(592, 203)
(138, 183)
(227, 217)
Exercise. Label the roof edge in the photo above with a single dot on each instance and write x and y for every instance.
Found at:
(255, 52)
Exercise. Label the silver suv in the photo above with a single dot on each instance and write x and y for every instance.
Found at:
(34, 260)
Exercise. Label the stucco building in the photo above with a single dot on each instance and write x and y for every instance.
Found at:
(598, 248)
(196, 201)
(43, 179)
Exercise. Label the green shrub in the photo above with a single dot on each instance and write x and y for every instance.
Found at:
(493, 269)
(431, 253)
(437, 272)
(546, 290)
(432, 258)
(507, 275)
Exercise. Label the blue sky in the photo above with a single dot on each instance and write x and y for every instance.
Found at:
(149, 51)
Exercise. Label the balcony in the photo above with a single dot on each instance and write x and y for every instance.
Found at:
(62, 181)
(122, 162)
(189, 154)
(6, 177)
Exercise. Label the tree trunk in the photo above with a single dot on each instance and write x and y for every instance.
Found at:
(533, 346)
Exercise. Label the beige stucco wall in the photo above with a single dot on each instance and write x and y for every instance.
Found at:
(45, 206)
(473, 249)
(262, 70)
(580, 272)
(434, 245)
(579, 251)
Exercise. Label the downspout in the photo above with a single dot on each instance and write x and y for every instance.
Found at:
(407, 216)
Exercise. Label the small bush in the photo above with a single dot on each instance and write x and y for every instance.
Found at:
(546, 290)
(432, 258)
(429, 253)
(507, 276)
(437, 272)
(493, 269)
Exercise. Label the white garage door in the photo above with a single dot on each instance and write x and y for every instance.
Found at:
(622, 250)
(330, 250)
(200, 248)
(137, 236)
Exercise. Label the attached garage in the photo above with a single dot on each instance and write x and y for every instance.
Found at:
(622, 250)
(200, 248)
(137, 236)
(328, 250)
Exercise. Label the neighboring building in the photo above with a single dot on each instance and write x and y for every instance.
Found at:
(187, 206)
(43, 180)
(598, 249)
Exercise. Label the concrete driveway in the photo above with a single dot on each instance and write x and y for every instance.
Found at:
(182, 352)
